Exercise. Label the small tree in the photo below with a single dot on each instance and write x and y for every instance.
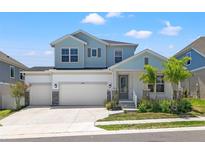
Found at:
(150, 76)
(175, 71)
(18, 91)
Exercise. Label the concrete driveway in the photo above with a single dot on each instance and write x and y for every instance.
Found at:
(48, 120)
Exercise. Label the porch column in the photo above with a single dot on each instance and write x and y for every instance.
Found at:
(114, 80)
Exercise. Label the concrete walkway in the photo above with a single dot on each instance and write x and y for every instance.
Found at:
(149, 121)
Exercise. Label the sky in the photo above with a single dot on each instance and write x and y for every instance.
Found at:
(27, 36)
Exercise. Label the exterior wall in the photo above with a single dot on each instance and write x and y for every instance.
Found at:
(69, 42)
(137, 63)
(92, 43)
(195, 83)
(197, 59)
(38, 78)
(126, 53)
(5, 73)
(7, 102)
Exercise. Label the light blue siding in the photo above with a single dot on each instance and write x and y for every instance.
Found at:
(69, 42)
(137, 63)
(94, 62)
(197, 59)
(127, 51)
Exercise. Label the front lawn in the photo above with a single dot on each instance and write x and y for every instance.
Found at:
(153, 125)
(5, 113)
(198, 106)
(141, 116)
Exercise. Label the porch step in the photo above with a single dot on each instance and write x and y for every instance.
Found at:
(127, 104)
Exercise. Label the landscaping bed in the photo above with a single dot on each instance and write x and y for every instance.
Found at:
(153, 125)
(5, 113)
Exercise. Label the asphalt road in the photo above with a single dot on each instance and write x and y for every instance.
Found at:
(180, 136)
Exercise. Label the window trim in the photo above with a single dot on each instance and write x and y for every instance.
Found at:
(70, 54)
(14, 72)
(157, 84)
(115, 54)
(188, 56)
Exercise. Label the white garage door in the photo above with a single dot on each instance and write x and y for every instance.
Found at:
(83, 94)
(40, 94)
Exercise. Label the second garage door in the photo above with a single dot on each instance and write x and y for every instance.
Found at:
(83, 94)
(40, 94)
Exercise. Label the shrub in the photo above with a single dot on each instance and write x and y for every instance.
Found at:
(108, 105)
(184, 106)
(145, 106)
(165, 106)
(155, 106)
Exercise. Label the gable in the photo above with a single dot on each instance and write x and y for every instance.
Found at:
(198, 60)
(137, 62)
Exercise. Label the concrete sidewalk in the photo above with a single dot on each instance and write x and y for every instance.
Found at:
(148, 121)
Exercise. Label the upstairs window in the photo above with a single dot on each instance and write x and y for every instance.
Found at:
(74, 55)
(188, 54)
(12, 72)
(146, 61)
(94, 52)
(118, 56)
(65, 55)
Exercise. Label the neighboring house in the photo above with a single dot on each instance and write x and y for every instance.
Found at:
(10, 72)
(87, 69)
(196, 84)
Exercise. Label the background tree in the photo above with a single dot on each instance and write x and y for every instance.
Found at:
(175, 71)
(18, 91)
(150, 76)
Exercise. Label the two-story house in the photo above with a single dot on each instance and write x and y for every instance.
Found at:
(87, 69)
(10, 72)
(196, 51)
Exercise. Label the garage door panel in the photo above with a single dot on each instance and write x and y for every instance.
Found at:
(83, 94)
(40, 94)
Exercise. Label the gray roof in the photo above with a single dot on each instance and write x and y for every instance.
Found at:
(198, 44)
(40, 68)
(9, 60)
(118, 42)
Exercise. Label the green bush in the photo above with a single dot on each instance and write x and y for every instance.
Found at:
(108, 105)
(165, 106)
(184, 106)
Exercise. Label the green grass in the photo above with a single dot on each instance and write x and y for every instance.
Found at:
(5, 113)
(154, 125)
(141, 116)
(198, 106)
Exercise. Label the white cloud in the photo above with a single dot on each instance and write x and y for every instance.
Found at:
(48, 53)
(31, 53)
(170, 30)
(94, 18)
(113, 14)
(142, 34)
(171, 46)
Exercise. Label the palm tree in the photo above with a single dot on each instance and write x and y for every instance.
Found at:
(175, 71)
(150, 76)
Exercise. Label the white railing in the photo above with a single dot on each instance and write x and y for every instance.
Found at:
(135, 98)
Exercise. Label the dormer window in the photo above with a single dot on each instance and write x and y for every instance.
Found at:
(188, 54)
(118, 56)
(146, 61)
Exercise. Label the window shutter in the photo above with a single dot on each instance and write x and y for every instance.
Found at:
(99, 52)
(89, 52)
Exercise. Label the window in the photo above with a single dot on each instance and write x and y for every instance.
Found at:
(74, 55)
(160, 83)
(99, 52)
(188, 54)
(65, 55)
(21, 76)
(12, 72)
(118, 56)
(94, 52)
(69, 55)
(146, 61)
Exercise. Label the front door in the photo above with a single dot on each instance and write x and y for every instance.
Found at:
(123, 86)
